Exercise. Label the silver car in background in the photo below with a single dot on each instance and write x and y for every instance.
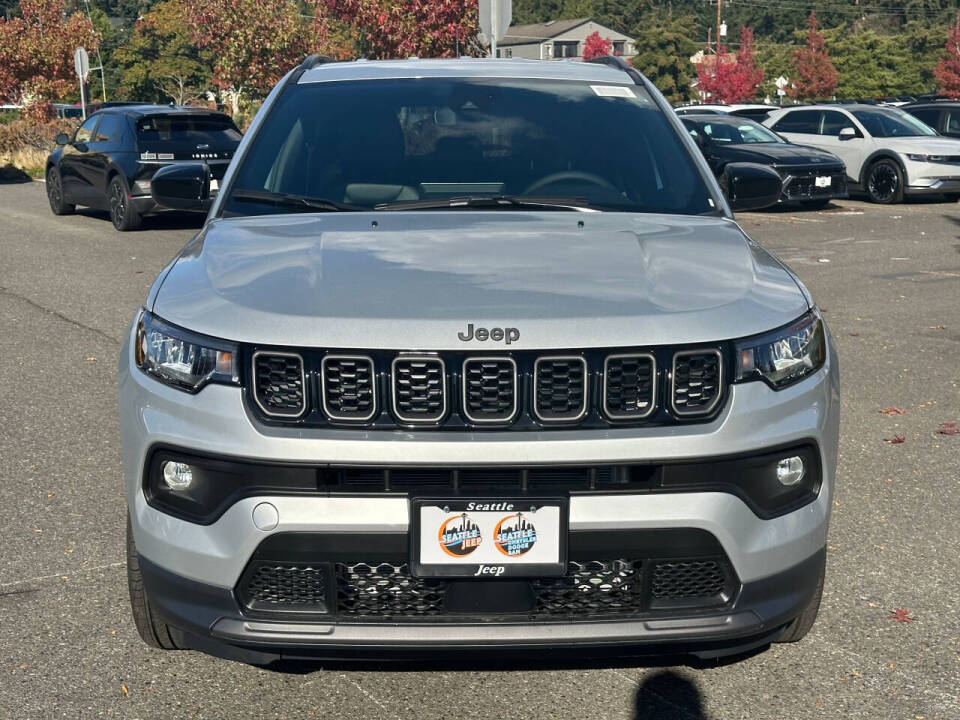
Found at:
(471, 354)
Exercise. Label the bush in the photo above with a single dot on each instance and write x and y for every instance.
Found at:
(24, 144)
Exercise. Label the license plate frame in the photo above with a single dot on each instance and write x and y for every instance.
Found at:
(493, 562)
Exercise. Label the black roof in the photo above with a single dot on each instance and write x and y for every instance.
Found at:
(939, 102)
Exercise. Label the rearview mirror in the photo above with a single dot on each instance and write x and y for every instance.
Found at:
(749, 186)
(62, 139)
(847, 133)
(184, 186)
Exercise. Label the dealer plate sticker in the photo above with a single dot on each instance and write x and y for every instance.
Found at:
(489, 538)
(822, 181)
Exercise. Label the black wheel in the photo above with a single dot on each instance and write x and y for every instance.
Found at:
(884, 182)
(123, 212)
(801, 624)
(153, 632)
(819, 204)
(55, 194)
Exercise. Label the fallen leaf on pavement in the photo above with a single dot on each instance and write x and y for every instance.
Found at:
(901, 615)
(123, 689)
(895, 440)
(892, 411)
(949, 429)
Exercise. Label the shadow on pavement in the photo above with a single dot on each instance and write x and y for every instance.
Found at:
(668, 696)
(10, 175)
(160, 221)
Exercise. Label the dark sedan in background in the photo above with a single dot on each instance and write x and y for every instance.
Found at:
(109, 161)
(810, 176)
(942, 115)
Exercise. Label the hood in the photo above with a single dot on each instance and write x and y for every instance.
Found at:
(782, 154)
(928, 145)
(414, 280)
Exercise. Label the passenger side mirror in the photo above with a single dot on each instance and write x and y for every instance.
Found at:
(62, 139)
(749, 186)
(184, 186)
(847, 133)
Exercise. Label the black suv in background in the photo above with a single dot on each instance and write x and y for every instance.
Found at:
(109, 161)
(942, 115)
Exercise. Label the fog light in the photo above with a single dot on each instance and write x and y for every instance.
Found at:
(177, 475)
(790, 470)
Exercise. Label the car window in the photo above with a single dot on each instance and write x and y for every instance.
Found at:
(952, 124)
(215, 130)
(739, 132)
(886, 122)
(85, 131)
(928, 115)
(109, 129)
(834, 122)
(806, 122)
(373, 142)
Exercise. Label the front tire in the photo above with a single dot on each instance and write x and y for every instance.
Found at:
(800, 625)
(123, 212)
(884, 182)
(55, 194)
(153, 632)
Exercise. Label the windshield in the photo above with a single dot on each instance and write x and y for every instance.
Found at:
(389, 143)
(892, 123)
(740, 132)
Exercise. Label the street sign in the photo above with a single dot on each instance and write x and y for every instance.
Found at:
(781, 82)
(495, 18)
(82, 63)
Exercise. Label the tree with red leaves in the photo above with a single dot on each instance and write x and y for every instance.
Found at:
(947, 71)
(404, 28)
(36, 53)
(729, 78)
(253, 42)
(596, 46)
(816, 75)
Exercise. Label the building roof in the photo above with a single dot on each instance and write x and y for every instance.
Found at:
(465, 68)
(537, 32)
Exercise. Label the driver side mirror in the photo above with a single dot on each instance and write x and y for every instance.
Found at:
(749, 186)
(183, 186)
(847, 133)
(62, 139)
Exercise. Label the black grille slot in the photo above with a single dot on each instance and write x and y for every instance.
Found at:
(419, 389)
(348, 387)
(560, 388)
(285, 588)
(591, 589)
(629, 386)
(278, 382)
(696, 382)
(378, 590)
(489, 390)
(686, 580)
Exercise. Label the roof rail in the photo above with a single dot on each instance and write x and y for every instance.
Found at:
(309, 63)
(618, 63)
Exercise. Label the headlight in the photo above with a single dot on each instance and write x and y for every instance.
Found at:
(784, 356)
(926, 158)
(183, 359)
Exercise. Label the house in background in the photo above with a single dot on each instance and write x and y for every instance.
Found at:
(558, 39)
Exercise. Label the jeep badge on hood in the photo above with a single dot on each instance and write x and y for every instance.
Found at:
(510, 335)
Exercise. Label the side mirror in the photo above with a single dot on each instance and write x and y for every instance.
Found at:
(62, 139)
(749, 186)
(847, 133)
(183, 186)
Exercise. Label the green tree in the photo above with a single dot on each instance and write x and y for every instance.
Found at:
(665, 45)
(161, 63)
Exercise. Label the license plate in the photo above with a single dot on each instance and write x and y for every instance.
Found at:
(214, 185)
(822, 181)
(488, 538)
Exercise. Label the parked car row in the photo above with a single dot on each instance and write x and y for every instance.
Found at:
(822, 150)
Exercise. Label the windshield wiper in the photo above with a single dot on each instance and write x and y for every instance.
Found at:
(494, 202)
(293, 201)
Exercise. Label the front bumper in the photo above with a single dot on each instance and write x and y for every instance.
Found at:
(192, 570)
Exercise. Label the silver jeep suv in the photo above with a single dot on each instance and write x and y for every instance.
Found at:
(472, 354)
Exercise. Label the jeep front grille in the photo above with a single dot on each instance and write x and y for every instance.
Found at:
(629, 386)
(278, 381)
(489, 389)
(419, 389)
(697, 381)
(348, 387)
(560, 388)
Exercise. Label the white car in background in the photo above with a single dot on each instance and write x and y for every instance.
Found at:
(888, 152)
(753, 111)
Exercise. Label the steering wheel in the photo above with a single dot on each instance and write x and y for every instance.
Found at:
(558, 177)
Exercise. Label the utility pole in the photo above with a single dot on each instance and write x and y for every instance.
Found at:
(719, 5)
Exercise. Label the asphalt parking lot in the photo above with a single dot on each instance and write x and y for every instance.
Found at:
(888, 280)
